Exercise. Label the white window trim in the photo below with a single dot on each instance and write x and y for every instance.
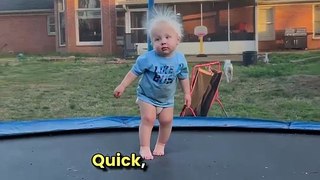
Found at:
(313, 24)
(48, 25)
(59, 20)
(128, 19)
(92, 43)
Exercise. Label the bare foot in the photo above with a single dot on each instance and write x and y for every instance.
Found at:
(159, 149)
(145, 153)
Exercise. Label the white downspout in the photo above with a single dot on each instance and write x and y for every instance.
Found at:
(201, 14)
(256, 9)
(229, 27)
(128, 21)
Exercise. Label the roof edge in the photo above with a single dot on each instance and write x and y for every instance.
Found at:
(275, 2)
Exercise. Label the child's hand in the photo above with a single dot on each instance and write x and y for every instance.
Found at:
(118, 91)
(187, 99)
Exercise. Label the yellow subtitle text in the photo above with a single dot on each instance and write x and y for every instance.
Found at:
(100, 161)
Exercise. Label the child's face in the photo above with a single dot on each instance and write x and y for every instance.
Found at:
(164, 39)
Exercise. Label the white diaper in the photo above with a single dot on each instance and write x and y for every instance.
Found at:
(158, 109)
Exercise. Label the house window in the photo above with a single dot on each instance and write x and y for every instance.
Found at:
(191, 17)
(89, 22)
(316, 21)
(137, 28)
(61, 23)
(266, 24)
(51, 25)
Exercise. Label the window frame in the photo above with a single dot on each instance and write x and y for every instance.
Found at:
(129, 29)
(86, 43)
(49, 18)
(314, 36)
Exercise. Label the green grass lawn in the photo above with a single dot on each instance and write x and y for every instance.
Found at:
(32, 88)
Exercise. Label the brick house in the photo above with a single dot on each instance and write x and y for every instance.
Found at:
(27, 27)
(86, 26)
(100, 26)
(233, 26)
(44, 26)
(277, 16)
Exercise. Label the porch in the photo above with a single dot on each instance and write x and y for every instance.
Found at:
(231, 25)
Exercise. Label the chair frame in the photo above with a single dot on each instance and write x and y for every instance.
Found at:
(211, 66)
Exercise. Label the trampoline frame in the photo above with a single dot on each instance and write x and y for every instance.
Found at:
(84, 127)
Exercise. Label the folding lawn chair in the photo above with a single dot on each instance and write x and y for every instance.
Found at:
(205, 80)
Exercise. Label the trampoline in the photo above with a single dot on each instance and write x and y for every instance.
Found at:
(199, 148)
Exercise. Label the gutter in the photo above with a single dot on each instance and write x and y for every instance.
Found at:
(29, 11)
(277, 2)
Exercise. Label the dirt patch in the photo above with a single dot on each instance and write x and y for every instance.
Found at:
(8, 61)
(92, 60)
(105, 60)
(302, 85)
(58, 58)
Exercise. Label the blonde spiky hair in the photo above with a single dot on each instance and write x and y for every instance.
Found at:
(167, 15)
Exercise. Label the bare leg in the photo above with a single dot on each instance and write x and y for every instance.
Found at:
(148, 116)
(165, 120)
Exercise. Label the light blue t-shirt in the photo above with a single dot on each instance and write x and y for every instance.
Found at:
(158, 83)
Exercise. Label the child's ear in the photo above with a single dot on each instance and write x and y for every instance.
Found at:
(179, 40)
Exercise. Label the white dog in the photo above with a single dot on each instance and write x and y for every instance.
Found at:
(228, 70)
(264, 58)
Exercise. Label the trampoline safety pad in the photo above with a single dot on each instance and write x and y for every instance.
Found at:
(196, 151)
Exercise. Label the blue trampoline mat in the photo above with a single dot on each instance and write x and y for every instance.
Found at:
(11, 128)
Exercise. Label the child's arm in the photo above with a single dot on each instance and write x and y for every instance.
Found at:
(185, 84)
(127, 80)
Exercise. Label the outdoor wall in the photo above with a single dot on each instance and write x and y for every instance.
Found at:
(287, 16)
(25, 33)
(108, 30)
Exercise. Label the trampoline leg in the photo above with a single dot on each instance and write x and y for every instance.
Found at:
(221, 105)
